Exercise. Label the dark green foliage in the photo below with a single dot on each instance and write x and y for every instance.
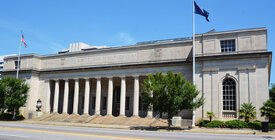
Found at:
(247, 111)
(215, 123)
(202, 123)
(169, 94)
(271, 125)
(236, 124)
(9, 116)
(255, 125)
(13, 94)
(6, 116)
(19, 117)
(268, 110)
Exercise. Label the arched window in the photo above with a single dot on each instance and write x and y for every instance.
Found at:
(229, 94)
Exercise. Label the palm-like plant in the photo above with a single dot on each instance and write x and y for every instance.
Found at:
(210, 115)
(268, 110)
(247, 111)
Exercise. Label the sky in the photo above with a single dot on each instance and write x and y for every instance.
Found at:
(49, 26)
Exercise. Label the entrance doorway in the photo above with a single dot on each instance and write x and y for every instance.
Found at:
(116, 101)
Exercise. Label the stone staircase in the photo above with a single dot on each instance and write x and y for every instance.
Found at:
(104, 120)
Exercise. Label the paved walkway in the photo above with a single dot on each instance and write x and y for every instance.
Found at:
(193, 130)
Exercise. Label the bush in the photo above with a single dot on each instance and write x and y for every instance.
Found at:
(6, 116)
(202, 123)
(215, 123)
(255, 125)
(271, 125)
(19, 117)
(236, 124)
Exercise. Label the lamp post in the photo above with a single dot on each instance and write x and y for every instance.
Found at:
(38, 112)
(38, 105)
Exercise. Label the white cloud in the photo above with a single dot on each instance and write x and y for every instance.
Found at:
(125, 38)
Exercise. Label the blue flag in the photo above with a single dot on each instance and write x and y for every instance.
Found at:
(201, 11)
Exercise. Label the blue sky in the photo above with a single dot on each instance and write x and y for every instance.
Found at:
(51, 25)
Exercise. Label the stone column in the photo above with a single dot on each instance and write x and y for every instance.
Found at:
(56, 96)
(150, 110)
(136, 96)
(76, 96)
(98, 96)
(66, 97)
(48, 96)
(110, 96)
(122, 96)
(150, 113)
(87, 96)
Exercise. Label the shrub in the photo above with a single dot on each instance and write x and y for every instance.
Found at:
(6, 116)
(210, 115)
(271, 126)
(236, 124)
(202, 123)
(255, 125)
(19, 117)
(247, 111)
(215, 123)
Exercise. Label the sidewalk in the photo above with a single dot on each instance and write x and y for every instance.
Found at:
(193, 130)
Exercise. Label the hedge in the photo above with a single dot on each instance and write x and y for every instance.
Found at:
(215, 123)
(8, 116)
(236, 124)
(256, 125)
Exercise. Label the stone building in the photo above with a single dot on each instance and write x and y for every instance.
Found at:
(232, 67)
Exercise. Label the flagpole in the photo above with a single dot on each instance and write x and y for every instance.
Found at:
(18, 60)
(194, 50)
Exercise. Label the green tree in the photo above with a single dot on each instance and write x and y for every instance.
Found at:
(2, 96)
(210, 115)
(247, 111)
(268, 110)
(272, 93)
(15, 94)
(169, 94)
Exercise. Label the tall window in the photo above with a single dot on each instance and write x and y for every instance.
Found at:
(16, 64)
(228, 45)
(229, 94)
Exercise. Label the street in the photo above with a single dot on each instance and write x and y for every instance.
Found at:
(22, 131)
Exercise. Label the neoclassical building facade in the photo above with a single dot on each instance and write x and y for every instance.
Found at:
(232, 67)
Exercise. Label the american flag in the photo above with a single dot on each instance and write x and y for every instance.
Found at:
(23, 40)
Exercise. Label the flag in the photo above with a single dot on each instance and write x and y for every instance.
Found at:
(201, 11)
(23, 41)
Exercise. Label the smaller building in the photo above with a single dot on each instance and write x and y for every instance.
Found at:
(2, 63)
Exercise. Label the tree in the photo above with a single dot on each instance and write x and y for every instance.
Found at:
(268, 110)
(169, 94)
(2, 96)
(15, 94)
(210, 115)
(247, 111)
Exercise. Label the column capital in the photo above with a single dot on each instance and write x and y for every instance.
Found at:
(135, 76)
(87, 78)
(123, 76)
(98, 78)
(76, 79)
(110, 77)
